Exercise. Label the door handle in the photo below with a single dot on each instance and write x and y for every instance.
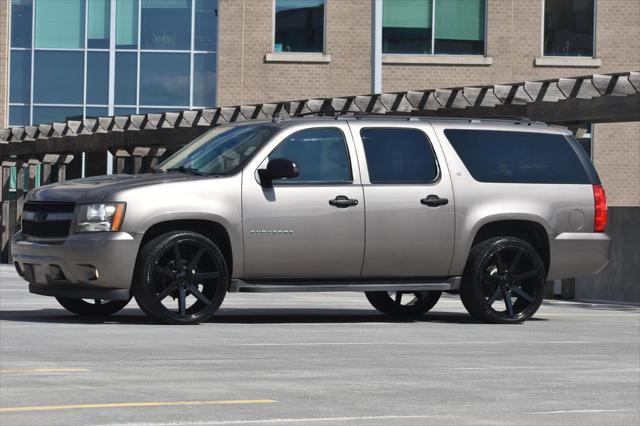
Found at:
(342, 201)
(434, 201)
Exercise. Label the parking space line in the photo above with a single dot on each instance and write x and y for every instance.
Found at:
(134, 405)
(42, 370)
(280, 421)
(583, 411)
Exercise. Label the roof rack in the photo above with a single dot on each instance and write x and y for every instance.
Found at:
(358, 115)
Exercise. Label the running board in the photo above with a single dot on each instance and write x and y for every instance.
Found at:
(242, 286)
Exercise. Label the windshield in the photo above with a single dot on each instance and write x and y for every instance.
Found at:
(219, 151)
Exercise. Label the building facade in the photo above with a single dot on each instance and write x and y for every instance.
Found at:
(74, 58)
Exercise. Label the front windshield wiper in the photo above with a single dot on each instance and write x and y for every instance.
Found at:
(187, 170)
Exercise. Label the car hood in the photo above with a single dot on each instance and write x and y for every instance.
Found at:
(97, 189)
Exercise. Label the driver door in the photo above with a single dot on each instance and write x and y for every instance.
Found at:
(296, 229)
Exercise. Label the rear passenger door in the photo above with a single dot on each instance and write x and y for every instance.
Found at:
(409, 208)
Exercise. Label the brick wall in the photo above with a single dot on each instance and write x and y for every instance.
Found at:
(245, 77)
(616, 155)
(514, 40)
(4, 52)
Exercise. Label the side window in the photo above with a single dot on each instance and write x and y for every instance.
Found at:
(396, 155)
(519, 157)
(321, 154)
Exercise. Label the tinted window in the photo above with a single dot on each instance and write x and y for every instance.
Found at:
(165, 24)
(568, 27)
(299, 26)
(125, 81)
(398, 156)
(321, 155)
(20, 82)
(57, 77)
(518, 157)
(406, 26)
(164, 78)
(21, 23)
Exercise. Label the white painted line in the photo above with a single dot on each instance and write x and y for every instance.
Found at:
(568, 342)
(272, 421)
(584, 411)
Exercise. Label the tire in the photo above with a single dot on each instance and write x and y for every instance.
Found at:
(184, 266)
(99, 308)
(390, 303)
(505, 269)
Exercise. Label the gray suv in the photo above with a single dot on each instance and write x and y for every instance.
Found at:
(400, 208)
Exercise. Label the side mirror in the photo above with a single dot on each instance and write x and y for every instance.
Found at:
(278, 168)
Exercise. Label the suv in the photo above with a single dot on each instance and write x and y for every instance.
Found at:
(400, 208)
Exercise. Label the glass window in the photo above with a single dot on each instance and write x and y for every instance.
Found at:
(164, 79)
(97, 77)
(568, 27)
(127, 24)
(204, 79)
(96, 112)
(21, 11)
(299, 26)
(125, 78)
(58, 77)
(406, 26)
(321, 155)
(19, 115)
(98, 24)
(166, 24)
(221, 150)
(459, 27)
(49, 114)
(20, 82)
(398, 156)
(206, 33)
(60, 24)
(518, 157)
(584, 136)
(124, 111)
(158, 110)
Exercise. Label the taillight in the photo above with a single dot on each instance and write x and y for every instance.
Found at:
(600, 203)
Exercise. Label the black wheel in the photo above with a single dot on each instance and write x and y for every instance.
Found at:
(92, 307)
(504, 281)
(181, 278)
(403, 303)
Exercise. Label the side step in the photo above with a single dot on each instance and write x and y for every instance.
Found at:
(241, 286)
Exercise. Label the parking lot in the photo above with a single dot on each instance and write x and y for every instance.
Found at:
(325, 358)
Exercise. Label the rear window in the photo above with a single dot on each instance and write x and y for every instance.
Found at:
(518, 157)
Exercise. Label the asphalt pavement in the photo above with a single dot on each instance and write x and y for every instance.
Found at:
(316, 359)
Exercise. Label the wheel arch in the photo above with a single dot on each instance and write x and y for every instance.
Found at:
(528, 230)
(215, 231)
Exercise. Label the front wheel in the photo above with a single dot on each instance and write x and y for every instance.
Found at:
(92, 308)
(504, 281)
(403, 303)
(181, 278)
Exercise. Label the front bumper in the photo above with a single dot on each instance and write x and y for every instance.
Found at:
(91, 265)
(574, 254)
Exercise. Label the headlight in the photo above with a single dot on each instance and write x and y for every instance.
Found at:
(100, 217)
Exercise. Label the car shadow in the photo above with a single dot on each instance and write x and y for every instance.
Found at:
(244, 316)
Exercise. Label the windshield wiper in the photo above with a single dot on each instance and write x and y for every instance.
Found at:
(186, 170)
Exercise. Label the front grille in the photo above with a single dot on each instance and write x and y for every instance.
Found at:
(47, 219)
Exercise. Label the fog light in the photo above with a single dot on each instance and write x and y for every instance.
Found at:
(55, 273)
(88, 272)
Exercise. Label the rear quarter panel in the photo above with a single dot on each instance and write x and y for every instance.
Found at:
(554, 206)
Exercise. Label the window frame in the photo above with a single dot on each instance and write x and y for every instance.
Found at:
(595, 28)
(273, 33)
(30, 104)
(433, 38)
(265, 161)
(433, 181)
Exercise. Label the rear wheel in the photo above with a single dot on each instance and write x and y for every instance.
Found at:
(182, 278)
(403, 303)
(92, 307)
(504, 281)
